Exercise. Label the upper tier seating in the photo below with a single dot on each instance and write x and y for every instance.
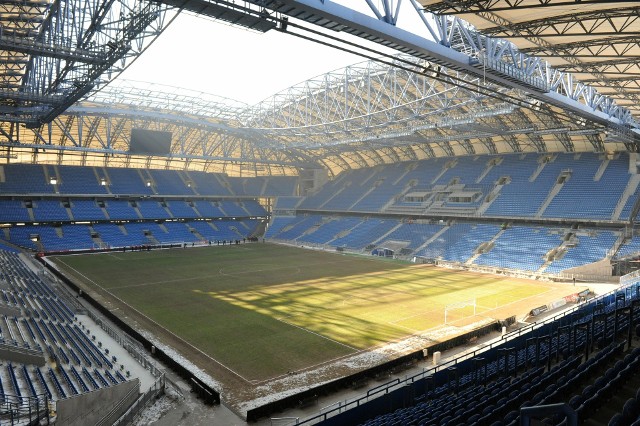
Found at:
(280, 186)
(331, 189)
(208, 183)
(169, 182)
(582, 196)
(581, 186)
(126, 181)
(79, 180)
(462, 169)
(24, 179)
(253, 208)
(380, 190)
(513, 201)
(246, 186)
(286, 203)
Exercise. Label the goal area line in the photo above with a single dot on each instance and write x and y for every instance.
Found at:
(452, 307)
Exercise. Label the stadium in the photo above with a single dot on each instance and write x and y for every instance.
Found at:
(443, 232)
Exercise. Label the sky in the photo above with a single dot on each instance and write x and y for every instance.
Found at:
(200, 54)
(210, 56)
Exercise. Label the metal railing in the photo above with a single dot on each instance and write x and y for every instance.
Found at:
(142, 402)
(385, 388)
(21, 410)
(137, 351)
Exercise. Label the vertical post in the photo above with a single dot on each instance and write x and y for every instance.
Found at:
(562, 331)
(453, 371)
(549, 338)
(429, 385)
(478, 364)
(588, 342)
(533, 341)
(502, 354)
(584, 327)
(558, 344)
(630, 329)
(615, 325)
(513, 351)
(598, 319)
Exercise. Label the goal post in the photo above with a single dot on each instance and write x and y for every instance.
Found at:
(464, 306)
(100, 245)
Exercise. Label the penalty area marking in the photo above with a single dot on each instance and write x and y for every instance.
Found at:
(318, 334)
(221, 271)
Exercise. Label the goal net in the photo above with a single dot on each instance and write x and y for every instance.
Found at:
(100, 245)
(459, 310)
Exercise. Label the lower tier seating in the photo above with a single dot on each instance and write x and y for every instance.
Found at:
(532, 249)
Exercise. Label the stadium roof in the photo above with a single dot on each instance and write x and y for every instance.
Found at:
(52, 53)
(407, 107)
(598, 41)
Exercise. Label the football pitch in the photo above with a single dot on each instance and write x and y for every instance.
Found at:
(262, 310)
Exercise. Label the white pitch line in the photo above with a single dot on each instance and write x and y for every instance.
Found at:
(110, 255)
(160, 326)
(175, 280)
(394, 322)
(233, 274)
(318, 334)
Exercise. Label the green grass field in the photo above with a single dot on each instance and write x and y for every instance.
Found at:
(263, 309)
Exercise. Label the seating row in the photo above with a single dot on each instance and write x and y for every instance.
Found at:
(70, 180)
